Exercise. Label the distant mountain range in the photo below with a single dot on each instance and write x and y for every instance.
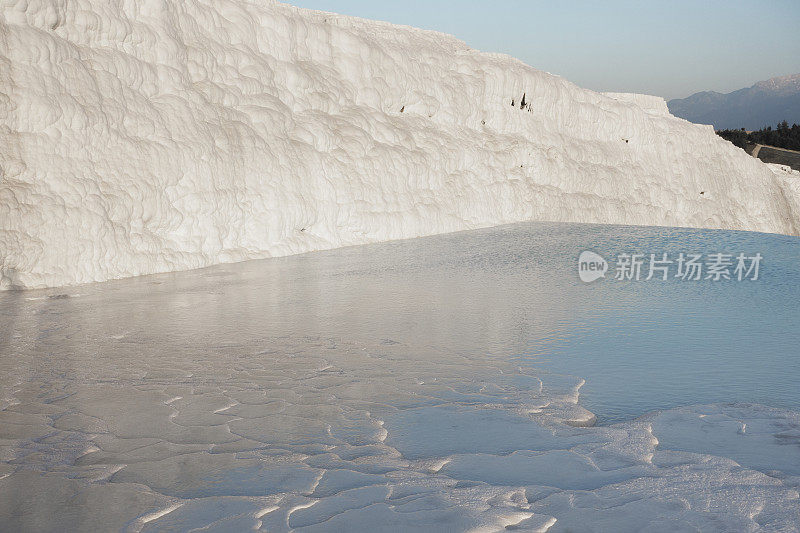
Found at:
(764, 104)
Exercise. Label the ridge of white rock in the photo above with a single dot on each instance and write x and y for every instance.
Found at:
(151, 136)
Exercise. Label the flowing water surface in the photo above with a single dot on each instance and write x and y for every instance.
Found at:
(437, 383)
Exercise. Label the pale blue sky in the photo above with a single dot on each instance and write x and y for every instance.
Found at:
(668, 48)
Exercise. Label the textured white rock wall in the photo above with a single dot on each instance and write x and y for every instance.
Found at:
(652, 104)
(146, 136)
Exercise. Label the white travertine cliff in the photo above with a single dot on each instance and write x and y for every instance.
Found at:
(148, 136)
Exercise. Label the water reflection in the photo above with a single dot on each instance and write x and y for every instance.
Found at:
(298, 378)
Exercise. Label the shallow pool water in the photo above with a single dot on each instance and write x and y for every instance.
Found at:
(434, 384)
(657, 344)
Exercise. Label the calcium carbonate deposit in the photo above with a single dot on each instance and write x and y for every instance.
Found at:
(149, 136)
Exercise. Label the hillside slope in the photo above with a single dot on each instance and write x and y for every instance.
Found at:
(142, 137)
(764, 104)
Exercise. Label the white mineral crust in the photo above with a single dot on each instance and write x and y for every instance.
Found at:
(148, 136)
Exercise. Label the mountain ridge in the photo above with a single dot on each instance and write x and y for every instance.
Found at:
(765, 103)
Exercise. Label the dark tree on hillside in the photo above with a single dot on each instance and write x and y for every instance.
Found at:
(783, 136)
